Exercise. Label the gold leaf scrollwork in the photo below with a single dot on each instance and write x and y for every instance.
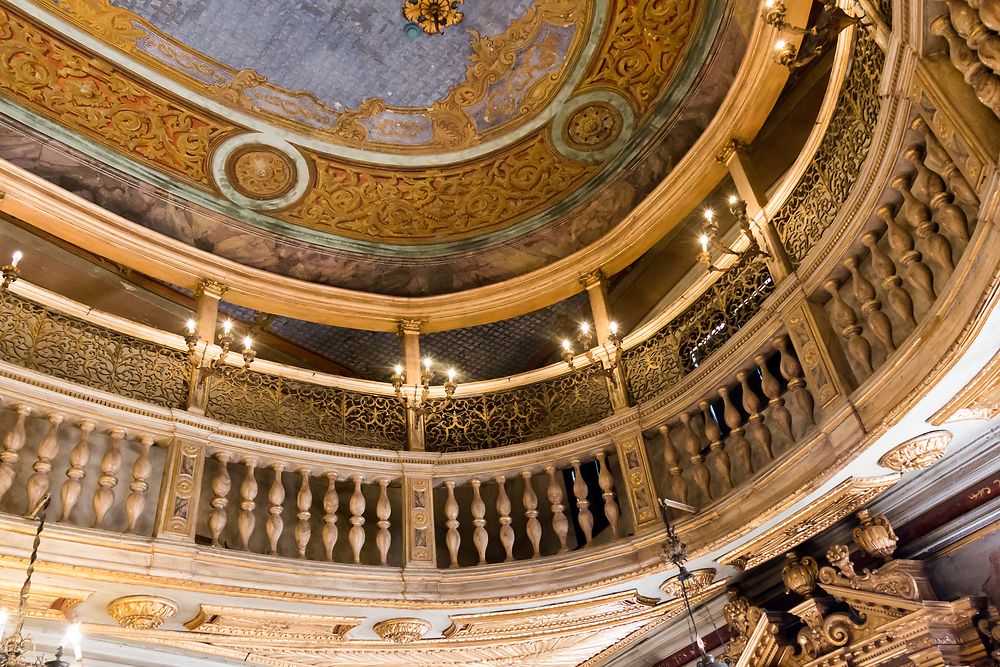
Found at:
(64, 347)
(504, 418)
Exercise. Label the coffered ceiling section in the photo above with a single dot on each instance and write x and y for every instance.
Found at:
(341, 143)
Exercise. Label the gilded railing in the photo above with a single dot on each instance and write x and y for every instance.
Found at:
(681, 346)
(69, 348)
(304, 410)
(519, 415)
(829, 178)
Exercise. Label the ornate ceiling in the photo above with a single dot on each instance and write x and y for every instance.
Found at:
(339, 144)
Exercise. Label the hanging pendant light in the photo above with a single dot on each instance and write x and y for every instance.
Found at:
(676, 553)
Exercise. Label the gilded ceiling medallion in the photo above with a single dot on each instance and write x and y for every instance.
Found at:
(917, 453)
(433, 16)
(594, 126)
(261, 172)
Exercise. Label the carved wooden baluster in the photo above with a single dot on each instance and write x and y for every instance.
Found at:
(977, 36)
(331, 503)
(772, 389)
(222, 485)
(48, 448)
(303, 502)
(275, 525)
(678, 486)
(13, 443)
(791, 370)
(737, 441)
(607, 483)
(356, 536)
(383, 510)
(584, 516)
(951, 218)
(533, 527)
(248, 497)
(918, 274)
(989, 12)
(560, 524)
(720, 458)
(480, 538)
(899, 299)
(756, 426)
(141, 469)
(452, 539)
(111, 463)
(503, 511)
(984, 82)
(918, 216)
(864, 292)
(843, 315)
(957, 183)
(693, 446)
(78, 459)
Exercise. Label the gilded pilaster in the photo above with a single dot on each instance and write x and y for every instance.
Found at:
(596, 285)
(177, 516)
(409, 332)
(827, 371)
(418, 522)
(639, 489)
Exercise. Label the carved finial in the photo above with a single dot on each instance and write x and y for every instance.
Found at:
(875, 535)
(800, 575)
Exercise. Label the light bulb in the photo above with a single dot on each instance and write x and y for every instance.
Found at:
(585, 327)
(3, 621)
(247, 343)
(733, 199)
(451, 375)
(16, 259)
(779, 45)
(703, 240)
(73, 636)
(398, 369)
(769, 3)
(427, 363)
(191, 326)
(709, 214)
(613, 326)
(567, 345)
(227, 326)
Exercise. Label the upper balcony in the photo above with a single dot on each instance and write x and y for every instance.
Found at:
(754, 391)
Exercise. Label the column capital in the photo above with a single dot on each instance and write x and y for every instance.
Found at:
(411, 327)
(731, 148)
(210, 288)
(595, 278)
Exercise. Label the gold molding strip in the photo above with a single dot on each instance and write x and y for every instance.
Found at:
(979, 399)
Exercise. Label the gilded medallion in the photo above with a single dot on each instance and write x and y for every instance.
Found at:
(433, 16)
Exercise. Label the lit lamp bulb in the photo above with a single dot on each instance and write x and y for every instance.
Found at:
(703, 240)
(398, 369)
(227, 327)
(585, 327)
(780, 45)
(427, 363)
(451, 375)
(733, 199)
(191, 327)
(16, 258)
(566, 345)
(247, 343)
(72, 638)
(709, 214)
(613, 327)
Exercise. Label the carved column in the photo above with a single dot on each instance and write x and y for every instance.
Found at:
(503, 511)
(331, 503)
(356, 535)
(419, 547)
(607, 483)
(303, 502)
(409, 333)
(180, 492)
(78, 459)
(222, 485)
(556, 496)
(678, 486)
(452, 538)
(644, 511)
(275, 525)
(480, 538)
(533, 527)
(13, 442)
(597, 290)
(208, 294)
(751, 190)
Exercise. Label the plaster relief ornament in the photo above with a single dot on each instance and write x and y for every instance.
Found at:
(433, 16)
(402, 630)
(917, 453)
(875, 535)
(141, 612)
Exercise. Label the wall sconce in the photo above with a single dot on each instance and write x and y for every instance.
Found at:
(710, 232)
(419, 402)
(612, 354)
(10, 271)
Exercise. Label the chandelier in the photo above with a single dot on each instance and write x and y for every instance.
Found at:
(676, 552)
(16, 647)
(611, 351)
(415, 397)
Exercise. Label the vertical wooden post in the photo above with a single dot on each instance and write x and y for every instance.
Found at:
(409, 332)
(597, 290)
(180, 493)
(419, 549)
